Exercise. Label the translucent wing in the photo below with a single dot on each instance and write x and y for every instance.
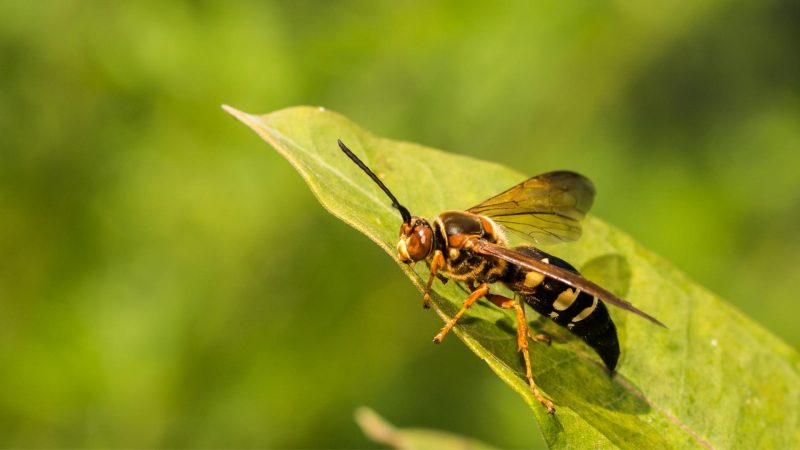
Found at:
(544, 209)
(578, 282)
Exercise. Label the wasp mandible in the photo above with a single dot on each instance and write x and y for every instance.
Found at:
(472, 247)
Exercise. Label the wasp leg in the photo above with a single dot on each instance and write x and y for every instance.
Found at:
(481, 291)
(436, 261)
(508, 303)
(522, 343)
(522, 346)
(499, 300)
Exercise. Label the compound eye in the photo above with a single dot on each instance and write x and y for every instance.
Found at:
(420, 243)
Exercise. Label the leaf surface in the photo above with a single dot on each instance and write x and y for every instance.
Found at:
(714, 379)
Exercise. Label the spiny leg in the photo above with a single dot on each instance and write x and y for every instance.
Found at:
(479, 292)
(436, 261)
(508, 303)
(522, 346)
(522, 324)
(522, 343)
(540, 337)
(522, 333)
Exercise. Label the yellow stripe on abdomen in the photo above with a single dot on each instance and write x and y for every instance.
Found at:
(586, 311)
(565, 299)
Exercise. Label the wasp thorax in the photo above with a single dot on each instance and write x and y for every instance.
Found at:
(416, 240)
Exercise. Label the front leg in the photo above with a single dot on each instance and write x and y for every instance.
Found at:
(436, 261)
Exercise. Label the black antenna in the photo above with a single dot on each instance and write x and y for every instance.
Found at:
(403, 211)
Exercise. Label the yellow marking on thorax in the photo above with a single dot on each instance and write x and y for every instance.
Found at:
(586, 311)
(565, 299)
(453, 253)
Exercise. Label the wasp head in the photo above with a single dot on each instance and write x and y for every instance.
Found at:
(416, 235)
(416, 240)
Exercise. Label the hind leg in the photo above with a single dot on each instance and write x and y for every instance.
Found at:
(522, 344)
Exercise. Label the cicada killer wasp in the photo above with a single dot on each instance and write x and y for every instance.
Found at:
(472, 247)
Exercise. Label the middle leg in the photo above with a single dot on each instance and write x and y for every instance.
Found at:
(477, 293)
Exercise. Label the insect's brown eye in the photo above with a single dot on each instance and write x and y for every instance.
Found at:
(420, 243)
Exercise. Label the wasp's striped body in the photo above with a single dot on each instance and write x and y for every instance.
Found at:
(471, 247)
(581, 313)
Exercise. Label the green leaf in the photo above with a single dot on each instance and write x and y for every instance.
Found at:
(714, 379)
(381, 431)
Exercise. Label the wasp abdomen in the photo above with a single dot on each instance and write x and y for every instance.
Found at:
(582, 314)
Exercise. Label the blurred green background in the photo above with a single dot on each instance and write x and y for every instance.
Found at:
(167, 280)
